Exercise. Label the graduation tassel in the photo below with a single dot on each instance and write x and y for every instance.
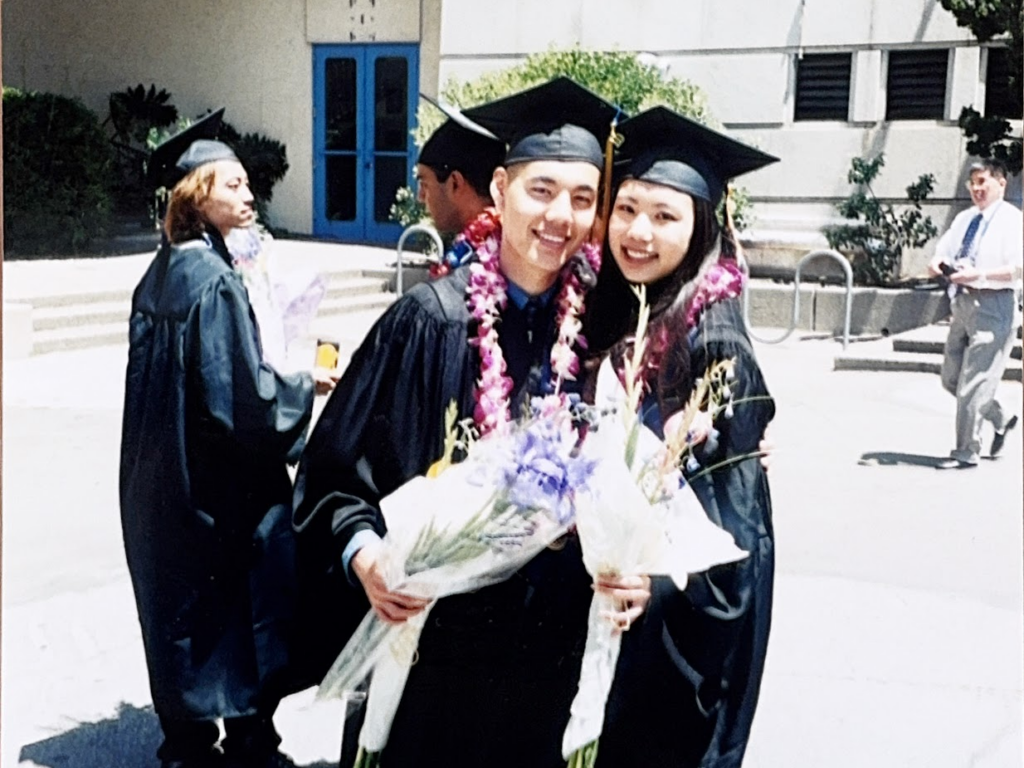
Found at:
(614, 140)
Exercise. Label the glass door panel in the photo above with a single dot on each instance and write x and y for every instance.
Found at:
(364, 104)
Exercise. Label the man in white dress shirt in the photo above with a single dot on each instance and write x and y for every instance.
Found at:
(981, 254)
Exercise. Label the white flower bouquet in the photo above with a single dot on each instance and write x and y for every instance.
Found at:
(636, 517)
(472, 524)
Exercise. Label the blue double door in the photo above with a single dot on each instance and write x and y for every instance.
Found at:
(364, 109)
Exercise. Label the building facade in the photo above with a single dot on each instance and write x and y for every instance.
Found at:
(815, 82)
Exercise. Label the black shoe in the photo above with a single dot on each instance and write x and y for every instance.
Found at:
(213, 760)
(1000, 437)
(954, 464)
(275, 759)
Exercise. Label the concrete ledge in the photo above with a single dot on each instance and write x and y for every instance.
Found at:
(878, 310)
(770, 305)
(822, 308)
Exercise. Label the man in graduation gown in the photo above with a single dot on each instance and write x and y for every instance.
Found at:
(497, 668)
(454, 171)
(205, 494)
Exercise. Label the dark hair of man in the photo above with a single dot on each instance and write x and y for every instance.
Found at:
(478, 176)
(993, 165)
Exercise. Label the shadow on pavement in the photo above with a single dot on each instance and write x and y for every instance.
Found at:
(126, 741)
(129, 740)
(888, 459)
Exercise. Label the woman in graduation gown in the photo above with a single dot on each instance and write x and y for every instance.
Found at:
(690, 669)
(497, 668)
(208, 429)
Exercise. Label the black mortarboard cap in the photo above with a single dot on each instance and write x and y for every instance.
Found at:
(663, 147)
(460, 144)
(559, 120)
(176, 157)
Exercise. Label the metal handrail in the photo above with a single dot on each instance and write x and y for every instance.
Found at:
(796, 296)
(413, 229)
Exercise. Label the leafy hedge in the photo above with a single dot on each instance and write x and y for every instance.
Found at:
(57, 172)
(626, 79)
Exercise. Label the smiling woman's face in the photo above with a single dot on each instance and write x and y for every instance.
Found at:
(649, 230)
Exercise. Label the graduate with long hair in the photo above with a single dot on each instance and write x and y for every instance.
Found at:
(690, 669)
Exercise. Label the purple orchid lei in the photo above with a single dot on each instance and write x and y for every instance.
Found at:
(487, 296)
(723, 281)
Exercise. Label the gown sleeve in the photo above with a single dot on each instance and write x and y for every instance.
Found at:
(244, 399)
(716, 630)
(383, 424)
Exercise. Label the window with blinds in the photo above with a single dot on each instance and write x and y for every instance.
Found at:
(823, 86)
(916, 85)
(1000, 99)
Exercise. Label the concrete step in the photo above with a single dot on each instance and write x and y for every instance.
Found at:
(47, 318)
(81, 337)
(361, 302)
(355, 286)
(80, 299)
(926, 347)
(881, 359)
(100, 318)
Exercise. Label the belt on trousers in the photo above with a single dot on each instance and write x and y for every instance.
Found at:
(992, 291)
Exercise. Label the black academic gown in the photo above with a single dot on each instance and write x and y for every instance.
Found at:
(690, 670)
(205, 493)
(497, 668)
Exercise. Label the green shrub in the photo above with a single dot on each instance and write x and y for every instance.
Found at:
(623, 78)
(57, 169)
(875, 243)
(134, 113)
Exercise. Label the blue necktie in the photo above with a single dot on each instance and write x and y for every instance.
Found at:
(965, 246)
(965, 252)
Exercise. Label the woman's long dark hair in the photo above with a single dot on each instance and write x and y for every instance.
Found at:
(611, 315)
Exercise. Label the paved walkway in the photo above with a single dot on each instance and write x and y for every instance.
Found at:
(898, 623)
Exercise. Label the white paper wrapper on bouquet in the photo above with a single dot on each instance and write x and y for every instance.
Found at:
(427, 554)
(623, 533)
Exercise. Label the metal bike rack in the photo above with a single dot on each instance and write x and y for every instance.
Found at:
(796, 296)
(424, 229)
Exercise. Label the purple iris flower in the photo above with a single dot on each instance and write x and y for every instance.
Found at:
(544, 474)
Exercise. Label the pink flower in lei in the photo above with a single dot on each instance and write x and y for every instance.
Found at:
(487, 296)
(723, 281)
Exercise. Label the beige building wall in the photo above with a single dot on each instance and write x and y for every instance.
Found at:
(254, 58)
(743, 55)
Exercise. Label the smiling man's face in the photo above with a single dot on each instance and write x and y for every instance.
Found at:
(547, 211)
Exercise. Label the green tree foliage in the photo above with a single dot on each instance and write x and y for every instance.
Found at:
(990, 136)
(57, 165)
(625, 79)
(622, 78)
(875, 243)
